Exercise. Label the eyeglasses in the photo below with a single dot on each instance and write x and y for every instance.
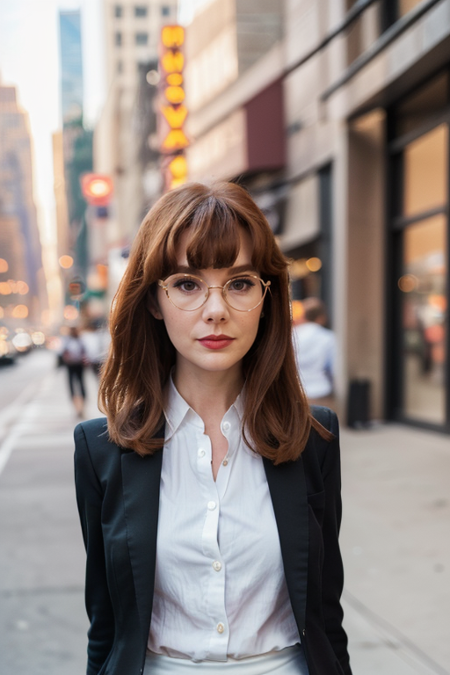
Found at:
(188, 292)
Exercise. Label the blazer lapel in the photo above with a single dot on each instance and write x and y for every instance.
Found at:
(141, 479)
(288, 491)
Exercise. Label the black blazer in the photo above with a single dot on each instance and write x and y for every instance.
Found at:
(118, 499)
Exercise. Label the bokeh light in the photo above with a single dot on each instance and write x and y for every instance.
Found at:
(5, 288)
(70, 313)
(66, 262)
(314, 264)
(20, 312)
(38, 338)
(407, 283)
(22, 342)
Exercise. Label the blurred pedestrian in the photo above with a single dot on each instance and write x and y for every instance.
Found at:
(96, 340)
(210, 496)
(315, 347)
(74, 358)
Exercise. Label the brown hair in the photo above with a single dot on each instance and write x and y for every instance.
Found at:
(276, 412)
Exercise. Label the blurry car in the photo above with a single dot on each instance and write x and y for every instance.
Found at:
(7, 353)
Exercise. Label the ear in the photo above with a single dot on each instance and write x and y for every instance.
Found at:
(153, 307)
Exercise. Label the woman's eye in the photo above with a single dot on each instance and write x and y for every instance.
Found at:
(242, 284)
(186, 285)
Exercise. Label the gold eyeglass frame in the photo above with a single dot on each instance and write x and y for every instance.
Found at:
(266, 284)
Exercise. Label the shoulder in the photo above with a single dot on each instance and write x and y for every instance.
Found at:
(92, 431)
(93, 446)
(327, 418)
(321, 457)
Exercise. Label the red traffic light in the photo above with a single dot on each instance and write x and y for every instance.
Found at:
(97, 189)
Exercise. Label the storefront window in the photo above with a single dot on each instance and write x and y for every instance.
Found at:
(305, 274)
(425, 172)
(423, 313)
(415, 109)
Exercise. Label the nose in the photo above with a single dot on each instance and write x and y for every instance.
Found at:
(215, 308)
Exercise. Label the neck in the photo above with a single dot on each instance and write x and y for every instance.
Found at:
(210, 394)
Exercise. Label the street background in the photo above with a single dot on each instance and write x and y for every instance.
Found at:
(335, 116)
(395, 537)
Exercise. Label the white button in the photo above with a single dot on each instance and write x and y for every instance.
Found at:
(201, 453)
(220, 627)
(211, 506)
(225, 462)
(226, 426)
(217, 565)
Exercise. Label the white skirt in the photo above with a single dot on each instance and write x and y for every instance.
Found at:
(289, 661)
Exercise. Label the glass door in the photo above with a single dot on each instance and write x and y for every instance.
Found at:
(423, 319)
(420, 232)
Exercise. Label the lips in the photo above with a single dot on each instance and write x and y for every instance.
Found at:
(216, 341)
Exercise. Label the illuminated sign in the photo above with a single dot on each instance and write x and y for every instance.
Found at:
(172, 111)
(97, 189)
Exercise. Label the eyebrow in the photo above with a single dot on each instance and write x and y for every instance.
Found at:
(185, 269)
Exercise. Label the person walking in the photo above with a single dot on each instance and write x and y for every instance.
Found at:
(209, 497)
(73, 357)
(315, 347)
(96, 341)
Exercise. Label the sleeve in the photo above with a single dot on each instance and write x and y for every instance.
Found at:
(333, 571)
(97, 598)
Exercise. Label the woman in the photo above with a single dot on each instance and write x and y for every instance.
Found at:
(74, 357)
(210, 497)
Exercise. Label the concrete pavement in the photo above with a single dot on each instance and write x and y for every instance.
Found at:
(395, 540)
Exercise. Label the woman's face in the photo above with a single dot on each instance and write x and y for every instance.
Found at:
(194, 333)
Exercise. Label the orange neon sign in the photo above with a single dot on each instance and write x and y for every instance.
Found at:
(173, 112)
(175, 116)
(172, 36)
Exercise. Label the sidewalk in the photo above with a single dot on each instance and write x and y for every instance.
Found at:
(395, 541)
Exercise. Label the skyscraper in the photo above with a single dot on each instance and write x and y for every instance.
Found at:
(76, 146)
(21, 248)
(71, 65)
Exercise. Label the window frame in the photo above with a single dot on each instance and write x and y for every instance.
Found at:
(396, 225)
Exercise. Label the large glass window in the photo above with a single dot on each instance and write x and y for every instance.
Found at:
(419, 374)
(423, 284)
(417, 108)
(425, 172)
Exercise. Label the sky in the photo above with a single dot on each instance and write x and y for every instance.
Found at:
(29, 60)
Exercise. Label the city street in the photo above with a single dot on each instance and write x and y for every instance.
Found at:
(395, 537)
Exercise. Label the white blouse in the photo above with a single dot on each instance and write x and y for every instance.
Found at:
(220, 589)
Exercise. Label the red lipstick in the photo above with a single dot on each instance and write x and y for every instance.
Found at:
(216, 341)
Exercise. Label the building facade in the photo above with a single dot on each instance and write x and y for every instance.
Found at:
(123, 134)
(20, 245)
(358, 194)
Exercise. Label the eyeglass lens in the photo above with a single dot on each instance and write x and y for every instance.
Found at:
(189, 292)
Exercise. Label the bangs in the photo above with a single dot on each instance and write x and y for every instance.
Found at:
(215, 238)
(214, 218)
